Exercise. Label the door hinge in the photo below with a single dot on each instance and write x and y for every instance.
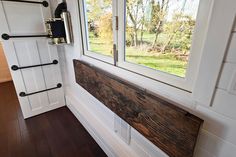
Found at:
(117, 23)
(115, 54)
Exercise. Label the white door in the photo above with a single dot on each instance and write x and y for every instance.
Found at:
(38, 88)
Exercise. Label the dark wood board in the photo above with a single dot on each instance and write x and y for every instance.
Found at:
(169, 127)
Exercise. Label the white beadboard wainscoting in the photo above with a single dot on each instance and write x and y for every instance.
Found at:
(216, 138)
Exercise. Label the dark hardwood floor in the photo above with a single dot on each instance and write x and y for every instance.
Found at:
(53, 134)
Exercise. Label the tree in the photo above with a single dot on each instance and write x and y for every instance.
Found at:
(95, 10)
(105, 28)
(155, 9)
(179, 31)
(133, 7)
(143, 19)
(136, 21)
(161, 17)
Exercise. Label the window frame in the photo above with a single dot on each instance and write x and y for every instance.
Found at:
(187, 83)
(214, 50)
(85, 36)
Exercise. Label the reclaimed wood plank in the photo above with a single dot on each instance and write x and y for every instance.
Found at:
(169, 127)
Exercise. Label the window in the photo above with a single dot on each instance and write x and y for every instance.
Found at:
(152, 37)
(159, 33)
(98, 28)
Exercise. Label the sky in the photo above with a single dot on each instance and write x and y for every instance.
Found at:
(191, 7)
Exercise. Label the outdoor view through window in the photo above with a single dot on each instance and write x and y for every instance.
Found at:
(99, 19)
(158, 32)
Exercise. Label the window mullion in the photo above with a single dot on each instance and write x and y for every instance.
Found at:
(83, 22)
(115, 31)
(120, 32)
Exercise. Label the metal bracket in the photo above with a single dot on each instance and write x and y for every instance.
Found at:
(117, 23)
(60, 29)
(115, 54)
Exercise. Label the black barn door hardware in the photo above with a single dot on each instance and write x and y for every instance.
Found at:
(60, 28)
(44, 3)
(23, 94)
(15, 67)
(7, 37)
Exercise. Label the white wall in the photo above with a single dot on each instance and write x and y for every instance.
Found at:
(4, 70)
(217, 137)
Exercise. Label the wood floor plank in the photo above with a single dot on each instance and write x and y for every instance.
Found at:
(53, 134)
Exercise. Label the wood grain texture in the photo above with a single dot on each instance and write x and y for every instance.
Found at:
(4, 70)
(169, 127)
(53, 134)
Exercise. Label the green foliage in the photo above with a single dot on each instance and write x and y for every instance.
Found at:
(154, 38)
(94, 10)
(163, 62)
(155, 18)
(98, 16)
(179, 32)
(129, 36)
(105, 28)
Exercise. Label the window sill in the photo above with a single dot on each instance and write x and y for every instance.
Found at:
(174, 95)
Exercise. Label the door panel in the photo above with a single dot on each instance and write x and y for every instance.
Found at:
(27, 54)
(23, 19)
(17, 77)
(18, 15)
(52, 74)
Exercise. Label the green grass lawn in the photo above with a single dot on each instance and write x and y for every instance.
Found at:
(163, 62)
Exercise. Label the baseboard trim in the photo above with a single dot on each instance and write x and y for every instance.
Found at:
(111, 144)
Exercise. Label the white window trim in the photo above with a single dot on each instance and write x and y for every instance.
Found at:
(206, 79)
(185, 83)
(85, 37)
(218, 36)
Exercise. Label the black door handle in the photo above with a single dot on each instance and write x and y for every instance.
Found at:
(23, 94)
(15, 67)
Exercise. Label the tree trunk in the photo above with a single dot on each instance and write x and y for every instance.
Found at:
(170, 39)
(158, 31)
(167, 43)
(135, 36)
(132, 40)
(141, 37)
(161, 20)
(143, 21)
(135, 33)
(152, 14)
